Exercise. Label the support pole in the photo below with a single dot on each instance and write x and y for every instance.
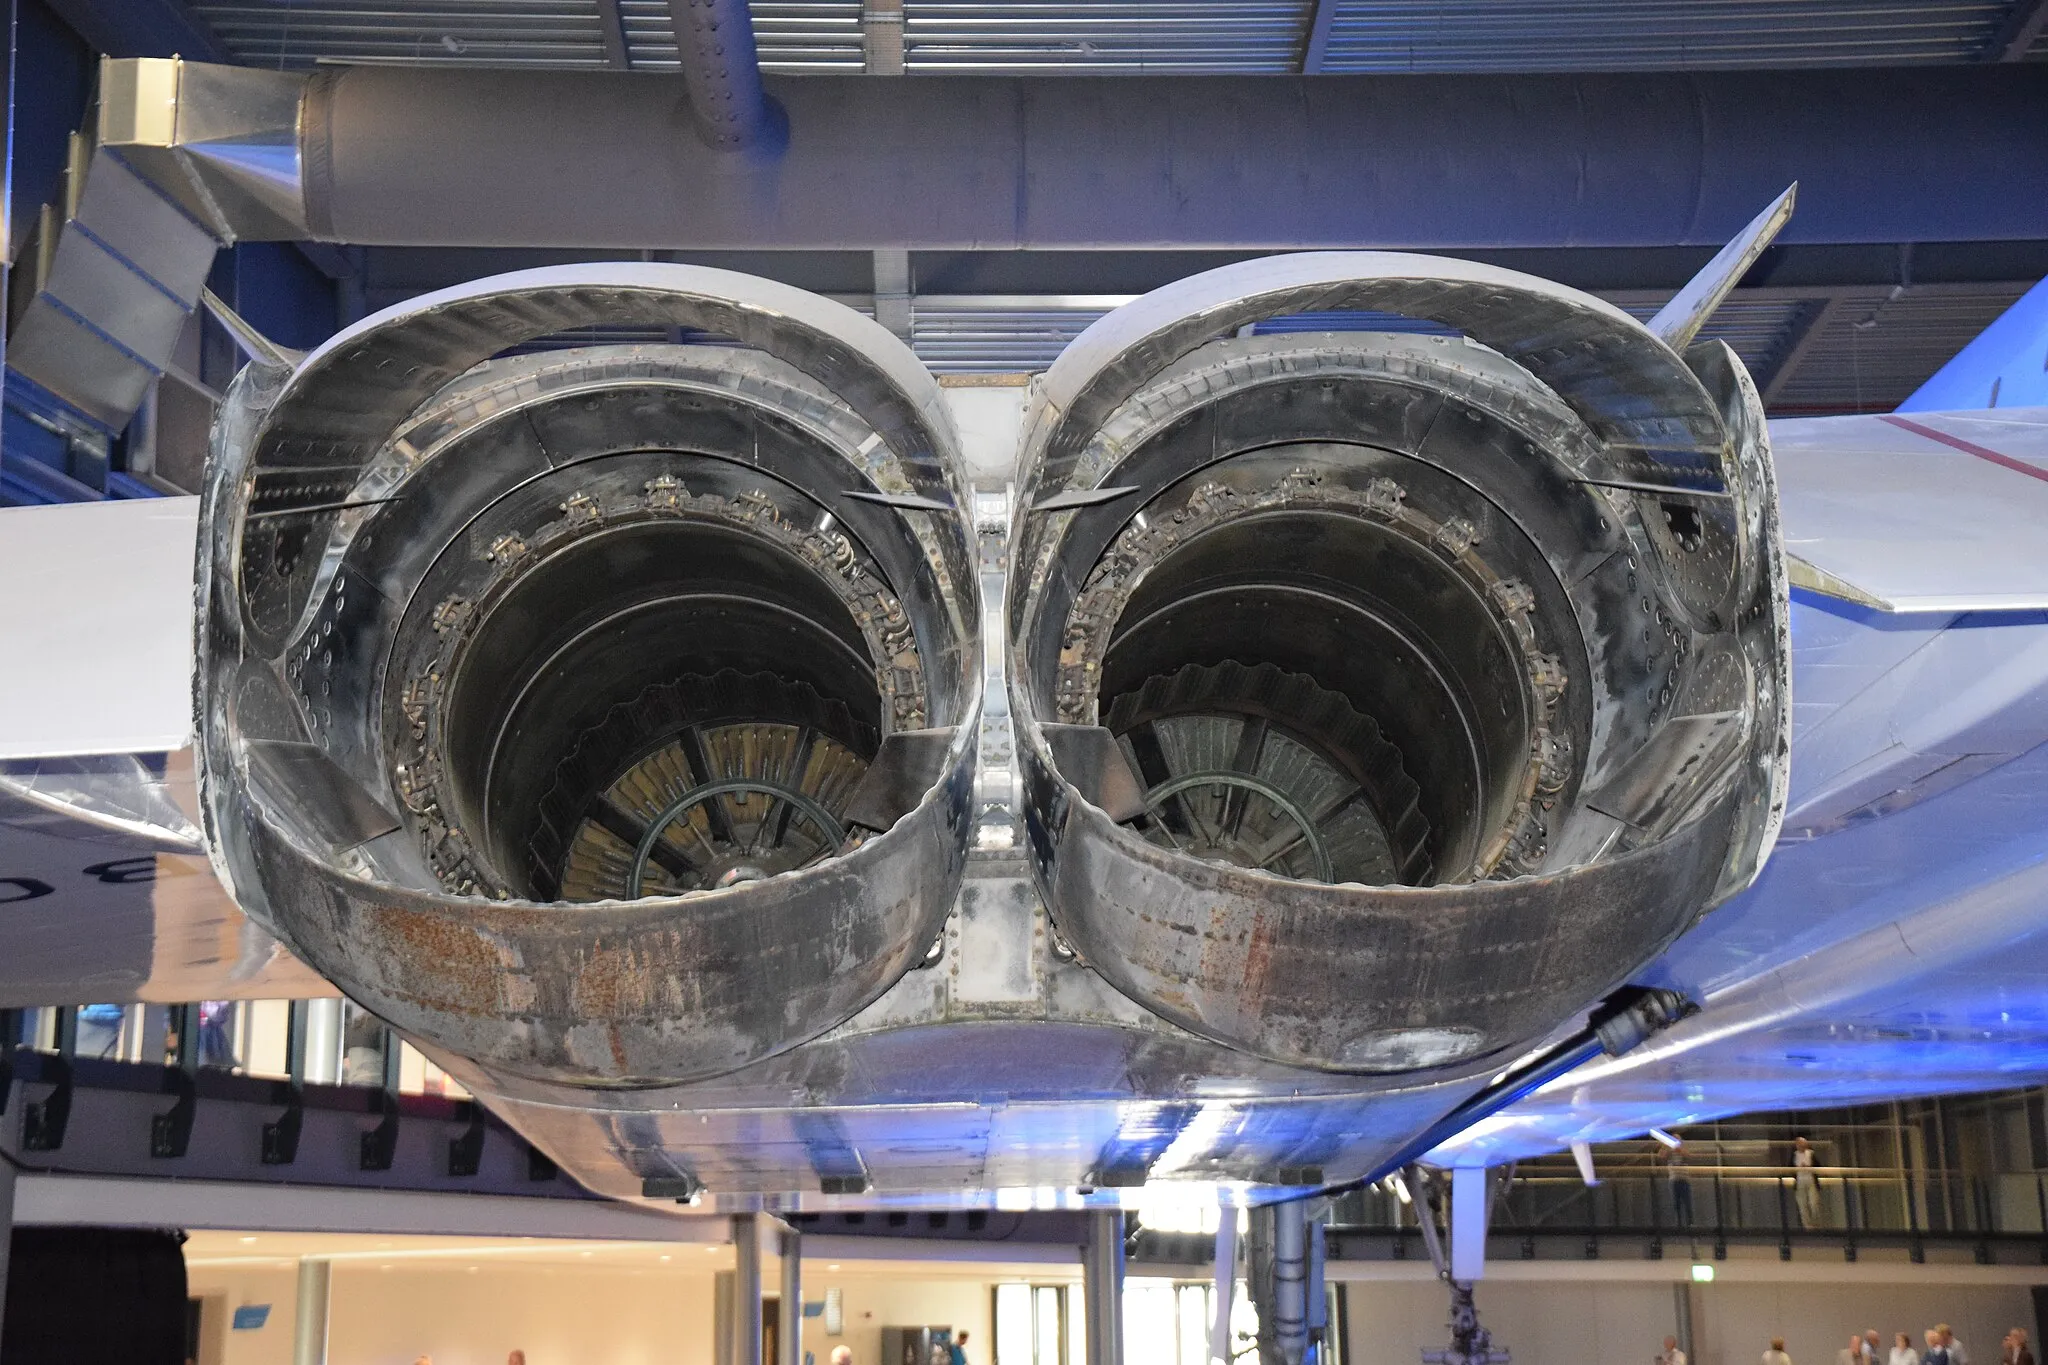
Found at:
(323, 1042)
(1102, 1286)
(746, 1290)
(1290, 1279)
(1226, 1285)
(1681, 1295)
(789, 1318)
(309, 1326)
(7, 1177)
(1469, 1199)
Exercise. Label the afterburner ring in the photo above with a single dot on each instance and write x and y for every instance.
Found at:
(820, 818)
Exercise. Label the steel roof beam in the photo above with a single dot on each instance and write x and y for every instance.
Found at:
(1809, 332)
(2016, 35)
(1322, 14)
(612, 32)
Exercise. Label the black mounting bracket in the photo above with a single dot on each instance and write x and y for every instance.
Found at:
(170, 1133)
(380, 1144)
(466, 1152)
(44, 1121)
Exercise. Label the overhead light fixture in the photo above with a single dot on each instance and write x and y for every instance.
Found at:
(1666, 1138)
(1702, 1274)
(1401, 1189)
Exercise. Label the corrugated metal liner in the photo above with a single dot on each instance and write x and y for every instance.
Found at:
(794, 36)
(994, 337)
(1759, 330)
(1877, 350)
(1150, 37)
(1648, 35)
(444, 32)
(1143, 36)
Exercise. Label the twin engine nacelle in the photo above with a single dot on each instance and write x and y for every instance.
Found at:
(609, 715)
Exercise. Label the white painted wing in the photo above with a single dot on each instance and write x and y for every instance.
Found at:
(1919, 512)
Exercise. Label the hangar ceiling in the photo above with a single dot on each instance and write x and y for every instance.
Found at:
(1825, 329)
(1141, 37)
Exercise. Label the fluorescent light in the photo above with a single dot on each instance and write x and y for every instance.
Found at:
(1667, 1139)
(1703, 1274)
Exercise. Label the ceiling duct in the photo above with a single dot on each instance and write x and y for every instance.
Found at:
(110, 274)
(605, 160)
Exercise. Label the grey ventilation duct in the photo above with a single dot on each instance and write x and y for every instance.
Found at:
(617, 160)
(177, 160)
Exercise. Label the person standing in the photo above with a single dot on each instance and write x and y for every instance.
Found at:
(1776, 1355)
(1671, 1355)
(1681, 1187)
(1852, 1354)
(2016, 1352)
(957, 1352)
(1957, 1353)
(1902, 1350)
(1872, 1351)
(1936, 1353)
(1805, 1185)
(842, 1355)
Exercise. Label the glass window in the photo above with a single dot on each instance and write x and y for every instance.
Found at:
(1031, 1324)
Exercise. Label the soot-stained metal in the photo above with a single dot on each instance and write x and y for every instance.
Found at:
(607, 718)
(1541, 556)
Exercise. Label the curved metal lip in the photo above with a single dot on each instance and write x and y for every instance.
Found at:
(1253, 884)
(1219, 875)
(623, 919)
(764, 1085)
(1085, 384)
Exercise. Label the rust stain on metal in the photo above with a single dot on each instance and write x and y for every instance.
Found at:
(438, 960)
(1258, 959)
(618, 982)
